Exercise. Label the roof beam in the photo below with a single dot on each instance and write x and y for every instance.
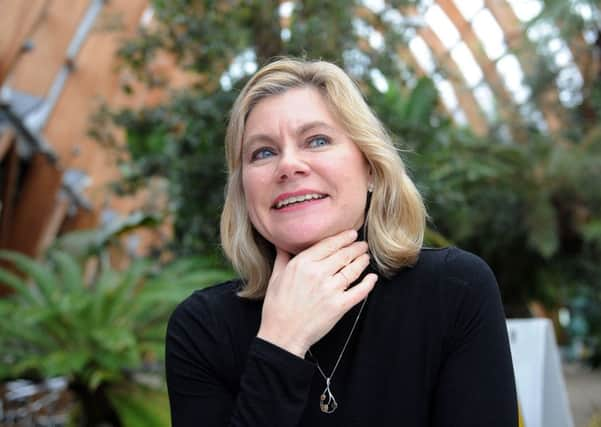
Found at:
(37, 199)
(514, 37)
(35, 72)
(465, 97)
(488, 67)
(8, 192)
(17, 21)
(6, 143)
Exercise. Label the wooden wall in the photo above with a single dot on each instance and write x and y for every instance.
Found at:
(38, 208)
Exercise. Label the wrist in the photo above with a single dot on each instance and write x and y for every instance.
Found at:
(287, 343)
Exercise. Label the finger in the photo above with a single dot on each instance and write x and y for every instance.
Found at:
(359, 292)
(329, 245)
(344, 256)
(351, 272)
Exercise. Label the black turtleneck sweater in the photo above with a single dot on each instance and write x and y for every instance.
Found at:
(430, 349)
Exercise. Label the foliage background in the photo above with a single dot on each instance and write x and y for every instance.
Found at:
(525, 199)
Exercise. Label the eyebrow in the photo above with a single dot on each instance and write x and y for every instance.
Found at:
(314, 124)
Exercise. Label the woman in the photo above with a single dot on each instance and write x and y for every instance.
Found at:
(318, 209)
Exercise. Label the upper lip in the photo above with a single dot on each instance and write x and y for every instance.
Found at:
(297, 193)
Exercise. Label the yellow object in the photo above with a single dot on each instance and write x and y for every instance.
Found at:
(520, 418)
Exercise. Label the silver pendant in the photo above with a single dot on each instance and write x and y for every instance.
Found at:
(327, 402)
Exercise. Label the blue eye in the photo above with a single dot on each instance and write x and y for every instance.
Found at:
(262, 153)
(319, 141)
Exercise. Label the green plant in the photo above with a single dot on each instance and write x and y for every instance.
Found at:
(181, 140)
(522, 197)
(97, 334)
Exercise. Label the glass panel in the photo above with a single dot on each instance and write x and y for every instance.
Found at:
(467, 64)
(442, 26)
(469, 8)
(422, 54)
(513, 76)
(490, 34)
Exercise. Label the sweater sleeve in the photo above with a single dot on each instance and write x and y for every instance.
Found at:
(476, 385)
(272, 389)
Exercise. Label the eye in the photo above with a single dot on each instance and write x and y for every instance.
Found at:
(319, 141)
(262, 153)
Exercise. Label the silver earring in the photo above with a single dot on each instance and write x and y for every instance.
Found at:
(370, 187)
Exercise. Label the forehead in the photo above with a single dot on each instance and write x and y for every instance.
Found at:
(292, 108)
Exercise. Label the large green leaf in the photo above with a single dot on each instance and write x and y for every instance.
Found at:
(422, 102)
(69, 270)
(43, 277)
(141, 407)
(95, 332)
(15, 282)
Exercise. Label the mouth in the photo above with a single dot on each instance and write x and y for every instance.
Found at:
(285, 202)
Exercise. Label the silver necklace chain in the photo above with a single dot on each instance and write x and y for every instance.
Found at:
(327, 402)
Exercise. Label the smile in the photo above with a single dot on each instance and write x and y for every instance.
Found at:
(293, 200)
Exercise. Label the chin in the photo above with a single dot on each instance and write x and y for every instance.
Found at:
(294, 249)
(295, 246)
(296, 243)
(295, 237)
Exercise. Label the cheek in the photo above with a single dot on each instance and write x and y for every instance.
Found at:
(255, 191)
(354, 173)
(353, 182)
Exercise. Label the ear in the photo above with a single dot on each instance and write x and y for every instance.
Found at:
(370, 180)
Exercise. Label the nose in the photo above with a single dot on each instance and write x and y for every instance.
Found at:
(291, 165)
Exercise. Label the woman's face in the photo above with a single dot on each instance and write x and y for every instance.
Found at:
(303, 177)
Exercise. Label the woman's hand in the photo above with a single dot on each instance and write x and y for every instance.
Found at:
(308, 294)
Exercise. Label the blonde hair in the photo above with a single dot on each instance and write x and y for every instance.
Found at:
(396, 215)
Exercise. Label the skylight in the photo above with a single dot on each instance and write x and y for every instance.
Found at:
(355, 62)
(486, 100)
(243, 64)
(533, 116)
(376, 6)
(569, 83)
(147, 16)
(560, 52)
(361, 28)
(513, 76)
(442, 26)
(393, 16)
(422, 54)
(541, 30)
(447, 93)
(459, 117)
(379, 80)
(467, 64)
(469, 8)
(526, 10)
(490, 34)
(376, 40)
(286, 8)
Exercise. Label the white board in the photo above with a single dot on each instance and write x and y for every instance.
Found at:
(540, 385)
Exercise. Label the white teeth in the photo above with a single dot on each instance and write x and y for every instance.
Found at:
(296, 199)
